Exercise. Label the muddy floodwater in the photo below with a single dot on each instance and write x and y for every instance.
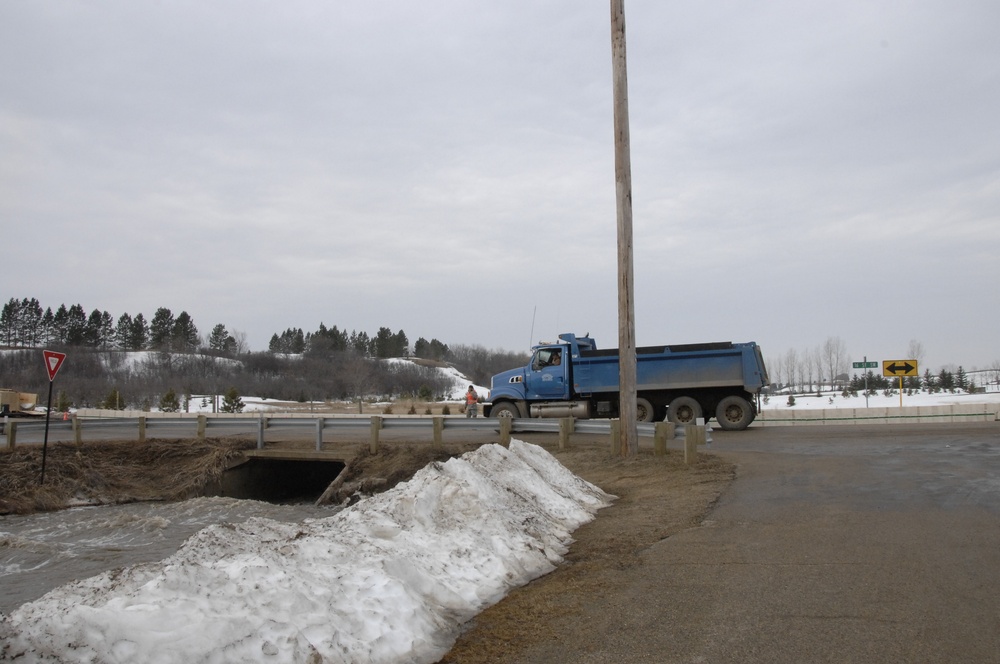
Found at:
(39, 552)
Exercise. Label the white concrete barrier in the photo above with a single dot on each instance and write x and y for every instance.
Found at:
(973, 412)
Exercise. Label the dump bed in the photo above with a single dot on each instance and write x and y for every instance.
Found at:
(674, 367)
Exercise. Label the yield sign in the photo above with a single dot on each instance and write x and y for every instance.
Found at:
(53, 361)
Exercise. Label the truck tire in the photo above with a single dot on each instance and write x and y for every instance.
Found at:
(504, 409)
(644, 410)
(734, 413)
(684, 410)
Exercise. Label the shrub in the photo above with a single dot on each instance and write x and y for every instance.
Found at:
(231, 402)
(791, 399)
(169, 403)
(446, 410)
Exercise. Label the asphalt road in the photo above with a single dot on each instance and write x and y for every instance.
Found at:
(834, 544)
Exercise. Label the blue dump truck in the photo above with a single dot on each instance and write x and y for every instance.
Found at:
(572, 378)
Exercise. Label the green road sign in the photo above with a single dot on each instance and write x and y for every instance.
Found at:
(865, 365)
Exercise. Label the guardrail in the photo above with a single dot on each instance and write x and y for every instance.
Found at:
(140, 428)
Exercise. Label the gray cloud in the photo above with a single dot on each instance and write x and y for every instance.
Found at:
(447, 169)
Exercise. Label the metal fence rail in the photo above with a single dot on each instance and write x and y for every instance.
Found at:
(127, 428)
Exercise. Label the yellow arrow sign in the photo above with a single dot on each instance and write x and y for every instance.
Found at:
(899, 368)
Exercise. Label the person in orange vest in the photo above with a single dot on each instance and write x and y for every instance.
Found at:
(471, 402)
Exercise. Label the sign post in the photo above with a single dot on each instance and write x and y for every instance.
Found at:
(865, 365)
(53, 361)
(899, 368)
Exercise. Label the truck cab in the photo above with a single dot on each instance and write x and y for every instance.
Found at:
(547, 376)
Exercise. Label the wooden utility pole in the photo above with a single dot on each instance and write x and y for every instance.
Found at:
(623, 185)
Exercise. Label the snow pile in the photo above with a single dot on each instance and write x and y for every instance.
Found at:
(387, 580)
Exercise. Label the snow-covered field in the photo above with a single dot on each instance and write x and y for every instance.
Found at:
(879, 400)
(389, 579)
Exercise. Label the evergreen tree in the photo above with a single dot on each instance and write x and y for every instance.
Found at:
(114, 400)
(8, 322)
(123, 332)
(48, 327)
(961, 379)
(929, 382)
(161, 329)
(169, 403)
(231, 402)
(99, 331)
(60, 322)
(185, 334)
(325, 341)
(291, 341)
(29, 323)
(62, 402)
(400, 345)
(220, 340)
(140, 333)
(383, 343)
(946, 380)
(76, 326)
(360, 343)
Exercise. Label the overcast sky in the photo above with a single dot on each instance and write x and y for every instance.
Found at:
(800, 170)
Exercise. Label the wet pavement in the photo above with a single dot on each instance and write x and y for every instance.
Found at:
(834, 544)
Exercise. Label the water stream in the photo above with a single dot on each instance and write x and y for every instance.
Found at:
(39, 552)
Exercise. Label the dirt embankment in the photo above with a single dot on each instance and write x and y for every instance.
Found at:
(111, 472)
(657, 497)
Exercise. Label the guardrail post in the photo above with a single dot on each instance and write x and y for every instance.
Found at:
(77, 430)
(320, 423)
(691, 443)
(373, 440)
(11, 429)
(616, 432)
(566, 426)
(261, 425)
(506, 423)
(661, 432)
(142, 428)
(438, 429)
(202, 420)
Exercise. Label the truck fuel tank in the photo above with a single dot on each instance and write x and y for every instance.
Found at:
(578, 409)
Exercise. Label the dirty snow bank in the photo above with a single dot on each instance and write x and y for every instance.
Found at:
(389, 579)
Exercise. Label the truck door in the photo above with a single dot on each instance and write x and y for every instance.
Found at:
(547, 375)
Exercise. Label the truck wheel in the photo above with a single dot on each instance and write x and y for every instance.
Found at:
(505, 409)
(644, 410)
(684, 410)
(734, 413)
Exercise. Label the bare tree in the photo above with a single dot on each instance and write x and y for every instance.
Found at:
(240, 345)
(791, 368)
(835, 357)
(915, 351)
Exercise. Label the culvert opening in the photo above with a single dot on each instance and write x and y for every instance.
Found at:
(279, 480)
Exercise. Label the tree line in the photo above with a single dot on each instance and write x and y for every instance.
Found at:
(384, 344)
(828, 366)
(24, 324)
(327, 364)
